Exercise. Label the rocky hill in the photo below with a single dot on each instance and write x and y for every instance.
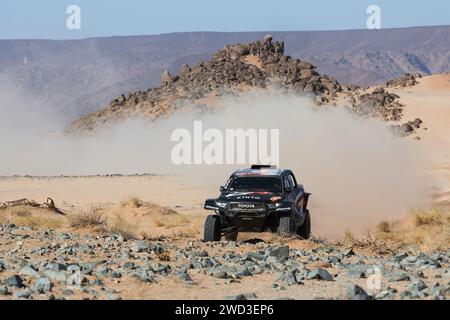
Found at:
(72, 78)
(237, 68)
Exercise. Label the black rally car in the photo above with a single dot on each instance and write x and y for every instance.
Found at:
(262, 198)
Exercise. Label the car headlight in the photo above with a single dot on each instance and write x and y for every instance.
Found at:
(221, 204)
(275, 205)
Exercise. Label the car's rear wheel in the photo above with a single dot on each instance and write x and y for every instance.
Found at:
(286, 225)
(212, 231)
(305, 229)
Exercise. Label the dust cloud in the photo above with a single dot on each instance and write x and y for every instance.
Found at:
(357, 171)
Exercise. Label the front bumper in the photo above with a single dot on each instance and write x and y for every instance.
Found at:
(246, 209)
(237, 209)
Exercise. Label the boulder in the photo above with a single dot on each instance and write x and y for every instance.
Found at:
(280, 252)
(319, 274)
(15, 281)
(355, 292)
(305, 74)
(185, 72)
(42, 285)
(166, 78)
(305, 65)
(267, 38)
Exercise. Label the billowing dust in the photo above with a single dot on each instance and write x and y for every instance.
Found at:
(357, 171)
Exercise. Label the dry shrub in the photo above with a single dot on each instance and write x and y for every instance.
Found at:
(145, 235)
(146, 207)
(31, 217)
(428, 218)
(94, 218)
(121, 227)
(151, 208)
(430, 230)
(163, 256)
(186, 232)
(384, 226)
(170, 221)
(20, 211)
(132, 201)
(351, 240)
(39, 222)
(275, 237)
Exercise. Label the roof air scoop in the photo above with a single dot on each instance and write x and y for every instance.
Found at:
(262, 166)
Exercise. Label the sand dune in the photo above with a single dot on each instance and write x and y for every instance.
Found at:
(430, 101)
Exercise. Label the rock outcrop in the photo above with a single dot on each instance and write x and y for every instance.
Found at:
(241, 67)
(407, 80)
(378, 103)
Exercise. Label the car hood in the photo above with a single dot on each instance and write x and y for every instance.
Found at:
(248, 196)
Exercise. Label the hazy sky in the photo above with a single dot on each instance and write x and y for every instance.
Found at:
(47, 18)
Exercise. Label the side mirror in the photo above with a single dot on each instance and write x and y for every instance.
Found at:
(222, 189)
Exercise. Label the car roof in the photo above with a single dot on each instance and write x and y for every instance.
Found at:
(259, 172)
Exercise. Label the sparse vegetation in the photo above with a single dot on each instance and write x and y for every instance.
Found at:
(429, 230)
(170, 221)
(93, 218)
(187, 232)
(31, 217)
(428, 218)
(384, 226)
(132, 201)
(120, 226)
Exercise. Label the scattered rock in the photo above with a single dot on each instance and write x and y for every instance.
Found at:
(319, 274)
(292, 277)
(357, 270)
(280, 252)
(394, 277)
(246, 296)
(95, 276)
(29, 271)
(4, 291)
(348, 252)
(418, 286)
(140, 246)
(15, 281)
(407, 80)
(42, 285)
(23, 294)
(386, 294)
(355, 292)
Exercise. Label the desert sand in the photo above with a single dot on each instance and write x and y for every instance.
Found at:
(430, 101)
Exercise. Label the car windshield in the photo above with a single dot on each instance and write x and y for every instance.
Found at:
(256, 183)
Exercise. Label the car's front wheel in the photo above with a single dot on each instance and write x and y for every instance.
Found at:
(286, 225)
(212, 231)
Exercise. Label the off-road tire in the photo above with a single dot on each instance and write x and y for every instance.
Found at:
(286, 225)
(304, 231)
(231, 236)
(212, 231)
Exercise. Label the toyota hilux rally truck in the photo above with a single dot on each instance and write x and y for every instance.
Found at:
(262, 198)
